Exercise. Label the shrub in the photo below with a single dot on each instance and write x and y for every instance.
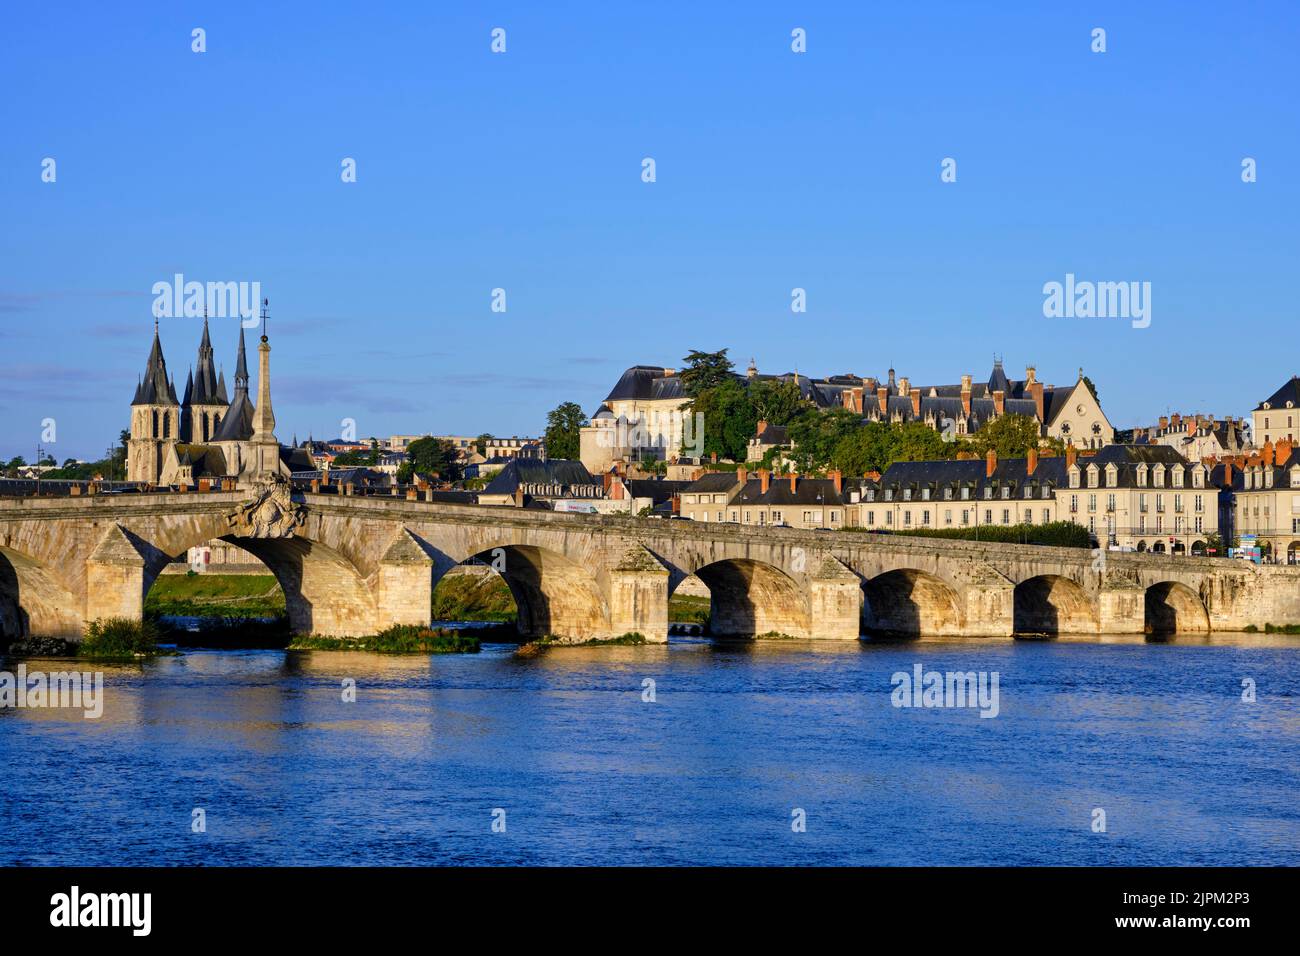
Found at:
(120, 637)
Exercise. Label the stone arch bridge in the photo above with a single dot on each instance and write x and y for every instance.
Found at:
(354, 565)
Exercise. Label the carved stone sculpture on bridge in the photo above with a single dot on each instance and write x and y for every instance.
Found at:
(271, 513)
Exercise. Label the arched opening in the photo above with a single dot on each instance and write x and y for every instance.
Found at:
(1179, 549)
(1293, 553)
(33, 602)
(219, 594)
(910, 603)
(1142, 546)
(750, 599)
(1173, 608)
(474, 593)
(323, 593)
(1158, 547)
(690, 607)
(1198, 549)
(1050, 604)
(553, 595)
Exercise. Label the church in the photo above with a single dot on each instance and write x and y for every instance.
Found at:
(206, 434)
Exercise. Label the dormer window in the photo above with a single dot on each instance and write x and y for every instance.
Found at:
(1142, 476)
(965, 494)
(1178, 476)
(1295, 477)
(1112, 476)
(988, 492)
(1074, 477)
(1093, 475)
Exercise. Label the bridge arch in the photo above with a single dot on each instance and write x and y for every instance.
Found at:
(554, 594)
(1053, 604)
(33, 601)
(907, 602)
(1174, 608)
(324, 593)
(749, 598)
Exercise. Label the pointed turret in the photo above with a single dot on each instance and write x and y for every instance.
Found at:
(154, 388)
(237, 420)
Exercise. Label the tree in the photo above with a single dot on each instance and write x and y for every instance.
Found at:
(563, 437)
(1011, 436)
(877, 445)
(776, 401)
(429, 455)
(815, 436)
(1092, 388)
(728, 419)
(480, 443)
(705, 370)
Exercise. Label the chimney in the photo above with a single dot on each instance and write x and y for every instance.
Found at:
(1030, 375)
(1036, 391)
(1031, 459)
(838, 479)
(990, 463)
(1227, 474)
(762, 427)
(904, 386)
(1176, 421)
(1164, 422)
(794, 482)
(916, 404)
(607, 479)
(412, 494)
(999, 402)
(965, 395)
(742, 474)
(882, 397)
(764, 477)
(1268, 453)
(315, 485)
(1191, 426)
(1282, 454)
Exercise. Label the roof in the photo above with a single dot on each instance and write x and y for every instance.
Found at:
(1290, 392)
(535, 471)
(204, 461)
(155, 388)
(237, 421)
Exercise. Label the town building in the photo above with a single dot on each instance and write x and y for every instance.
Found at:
(647, 414)
(1277, 418)
(1268, 501)
(513, 447)
(761, 498)
(1197, 437)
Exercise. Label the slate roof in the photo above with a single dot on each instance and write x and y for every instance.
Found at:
(1290, 392)
(534, 471)
(205, 461)
(155, 388)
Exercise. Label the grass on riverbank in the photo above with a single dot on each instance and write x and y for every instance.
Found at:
(688, 609)
(215, 595)
(473, 597)
(398, 639)
(1273, 629)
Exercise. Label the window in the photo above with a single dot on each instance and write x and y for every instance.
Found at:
(925, 517)
(1110, 502)
(947, 516)
(907, 519)
(1160, 503)
(1047, 515)
(1074, 503)
(776, 517)
(988, 515)
(965, 516)
(1029, 516)
(871, 518)
(719, 515)
(807, 517)
(1092, 502)
(1006, 516)
(889, 517)
(835, 517)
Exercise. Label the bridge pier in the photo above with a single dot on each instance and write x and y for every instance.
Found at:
(115, 578)
(989, 604)
(1121, 606)
(638, 597)
(404, 585)
(835, 602)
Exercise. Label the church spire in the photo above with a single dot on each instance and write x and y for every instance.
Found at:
(267, 445)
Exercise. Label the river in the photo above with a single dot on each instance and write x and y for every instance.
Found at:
(787, 752)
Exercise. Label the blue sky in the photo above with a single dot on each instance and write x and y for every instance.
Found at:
(522, 171)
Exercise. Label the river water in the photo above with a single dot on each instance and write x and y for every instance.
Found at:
(740, 746)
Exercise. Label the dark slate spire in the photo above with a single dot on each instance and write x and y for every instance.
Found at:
(155, 389)
(205, 381)
(221, 388)
(237, 422)
(241, 365)
(998, 379)
(189, 389)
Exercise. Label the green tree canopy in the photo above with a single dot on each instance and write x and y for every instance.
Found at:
(563, 437)
(429, 455)
(705, 370)
(1011, 436)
